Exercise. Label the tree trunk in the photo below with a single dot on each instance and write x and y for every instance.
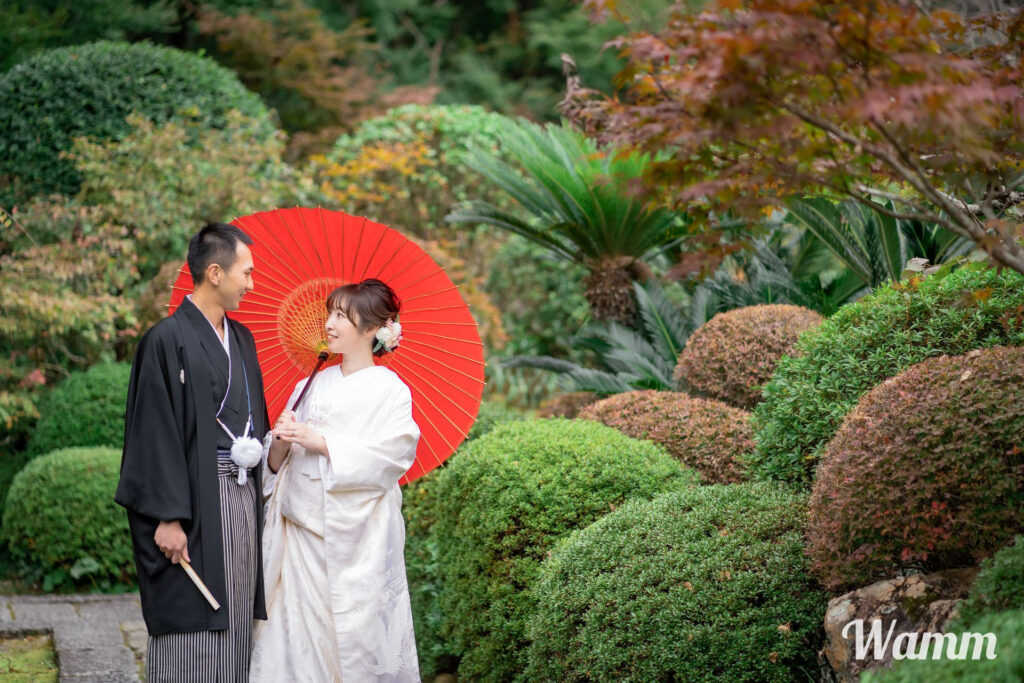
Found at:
(609, 288)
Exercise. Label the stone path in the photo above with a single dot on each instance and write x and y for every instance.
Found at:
(98, 638)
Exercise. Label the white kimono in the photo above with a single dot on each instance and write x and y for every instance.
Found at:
(333, 543)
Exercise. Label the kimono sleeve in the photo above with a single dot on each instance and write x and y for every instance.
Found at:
(154, 471)
(269, 476)
(374, 460)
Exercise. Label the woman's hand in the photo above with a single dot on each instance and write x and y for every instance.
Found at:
(302, 434)
(278, 446)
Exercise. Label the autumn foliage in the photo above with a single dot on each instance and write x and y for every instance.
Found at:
(704, 434)
(319, 79)
(881, 99)
(733, 354)
(926, 472)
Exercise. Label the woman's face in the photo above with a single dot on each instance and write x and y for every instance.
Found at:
(343, 335)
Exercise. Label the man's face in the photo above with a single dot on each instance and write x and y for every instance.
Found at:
(236, 282)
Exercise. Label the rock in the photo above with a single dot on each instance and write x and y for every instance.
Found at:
(918, 603)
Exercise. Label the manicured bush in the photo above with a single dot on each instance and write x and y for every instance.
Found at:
(62, 521)
(1007, 667)
(504, 502)
(422, 548)
(704, 434)
(924, 473)
(490, 416)
(732, 355)
(86, 409)
(869, 341)
(707, 584)
(89, 90)
(999, 586)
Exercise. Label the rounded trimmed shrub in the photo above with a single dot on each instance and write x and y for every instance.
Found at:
(926, 472)
(422, 548)
(89, 90)
(999, 586)
(86, 409)
(490, 416)
(732, 355)
(704, 434)
(707, 584)
(864, 343)
(1007, 667)
(502, 505)
(61, 519)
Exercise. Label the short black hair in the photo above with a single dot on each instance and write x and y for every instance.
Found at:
(215, 243)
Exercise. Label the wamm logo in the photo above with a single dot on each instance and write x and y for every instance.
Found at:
(918, 645)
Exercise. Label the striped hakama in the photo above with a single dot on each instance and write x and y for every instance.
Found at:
(219, 656)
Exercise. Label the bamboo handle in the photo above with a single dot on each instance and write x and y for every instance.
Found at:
(199, 584)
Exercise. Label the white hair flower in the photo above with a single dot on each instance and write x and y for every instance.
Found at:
(389, 336)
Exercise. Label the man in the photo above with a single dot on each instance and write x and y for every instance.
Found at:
(195, 386)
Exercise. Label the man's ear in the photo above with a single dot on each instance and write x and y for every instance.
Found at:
(213, 274)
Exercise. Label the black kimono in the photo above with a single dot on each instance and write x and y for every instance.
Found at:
(169, 469)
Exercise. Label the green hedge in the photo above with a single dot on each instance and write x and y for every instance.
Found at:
(869, 341)
(999, 586)
(706, 584)
(61, 520)
(422, 549)
(86, 409)
(504, 502)
(1007, 667)
(490, 416)
(89, 90)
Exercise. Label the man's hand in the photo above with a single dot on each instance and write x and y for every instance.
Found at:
(171, 540)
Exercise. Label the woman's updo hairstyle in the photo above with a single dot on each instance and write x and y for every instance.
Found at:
(372, 302)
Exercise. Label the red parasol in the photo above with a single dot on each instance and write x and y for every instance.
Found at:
(301, 255)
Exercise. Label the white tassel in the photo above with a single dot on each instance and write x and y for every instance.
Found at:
(246, 452)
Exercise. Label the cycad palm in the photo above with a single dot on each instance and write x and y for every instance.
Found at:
(580, 202)
(641, 358)
(873, 246)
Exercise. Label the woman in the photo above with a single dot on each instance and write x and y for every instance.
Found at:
(337, 598)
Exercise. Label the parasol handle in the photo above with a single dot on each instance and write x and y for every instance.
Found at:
(320, 360)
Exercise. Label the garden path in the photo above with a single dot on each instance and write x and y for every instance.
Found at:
(97, 638)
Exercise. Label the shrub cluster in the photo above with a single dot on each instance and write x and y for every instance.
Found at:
(925, 472)
(732, 355)
(950, 312)
(1007, 667)
(704, 434)
(503, 502)
(999, 586)
(706, 584)
(89, 90)
(62, 521)
(86, 409)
